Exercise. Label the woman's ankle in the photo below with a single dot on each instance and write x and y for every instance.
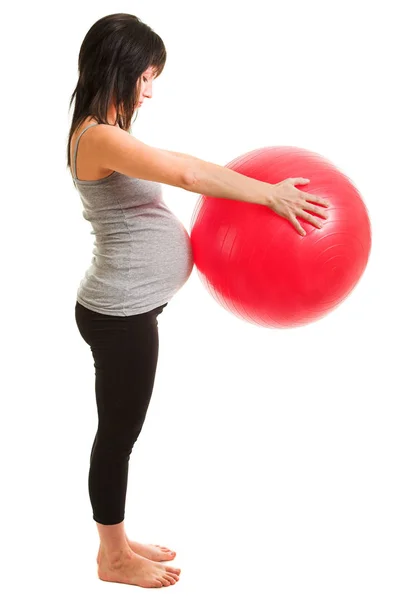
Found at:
(115, 557)
(113, 541)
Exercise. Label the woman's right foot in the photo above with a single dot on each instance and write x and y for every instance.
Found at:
(137, 570)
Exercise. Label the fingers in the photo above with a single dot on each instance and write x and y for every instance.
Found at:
(296, 224)
(307, 217)
(315, 209)
(316, 199)
(308, 197)
(310, 218)
(298, 180)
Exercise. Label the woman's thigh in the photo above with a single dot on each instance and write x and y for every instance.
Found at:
(125, 353)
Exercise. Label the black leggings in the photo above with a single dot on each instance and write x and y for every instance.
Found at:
(125, 352)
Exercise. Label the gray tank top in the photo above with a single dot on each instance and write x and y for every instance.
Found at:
(142, 253)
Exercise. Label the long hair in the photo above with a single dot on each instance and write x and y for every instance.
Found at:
(115, 52)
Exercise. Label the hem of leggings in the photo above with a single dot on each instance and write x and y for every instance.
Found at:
(113, 522)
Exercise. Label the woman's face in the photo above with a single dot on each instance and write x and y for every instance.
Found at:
(146, 83)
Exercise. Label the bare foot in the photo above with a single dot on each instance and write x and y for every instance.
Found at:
(150, 551)
(137, 570)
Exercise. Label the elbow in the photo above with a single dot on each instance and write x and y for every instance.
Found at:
(189, 180)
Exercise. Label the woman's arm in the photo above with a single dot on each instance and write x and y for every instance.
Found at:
(180, 154)
(118, 150)
(208, 179)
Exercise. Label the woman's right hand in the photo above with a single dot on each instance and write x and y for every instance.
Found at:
(289, 202)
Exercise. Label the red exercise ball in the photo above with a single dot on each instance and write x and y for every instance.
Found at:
(257, 266)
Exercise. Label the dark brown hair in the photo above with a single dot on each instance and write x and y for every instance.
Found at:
(114, 54)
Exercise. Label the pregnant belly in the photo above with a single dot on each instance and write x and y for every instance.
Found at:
(169, 256)
(153, 252)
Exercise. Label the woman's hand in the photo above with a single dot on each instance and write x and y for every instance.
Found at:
(289, 202)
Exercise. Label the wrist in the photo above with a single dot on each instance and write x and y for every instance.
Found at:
(268, 194)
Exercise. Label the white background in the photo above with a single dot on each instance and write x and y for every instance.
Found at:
(269, 459)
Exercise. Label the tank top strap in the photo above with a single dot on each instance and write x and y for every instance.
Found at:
(76, 145)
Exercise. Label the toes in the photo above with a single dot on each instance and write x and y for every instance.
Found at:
(171, 579)
(164, 549)
(175, 576)
(172, 570)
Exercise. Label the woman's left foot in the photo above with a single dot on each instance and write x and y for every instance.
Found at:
(150, 551)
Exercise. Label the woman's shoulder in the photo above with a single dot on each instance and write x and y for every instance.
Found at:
(87, 168)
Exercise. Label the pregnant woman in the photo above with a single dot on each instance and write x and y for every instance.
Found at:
(141, 258)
